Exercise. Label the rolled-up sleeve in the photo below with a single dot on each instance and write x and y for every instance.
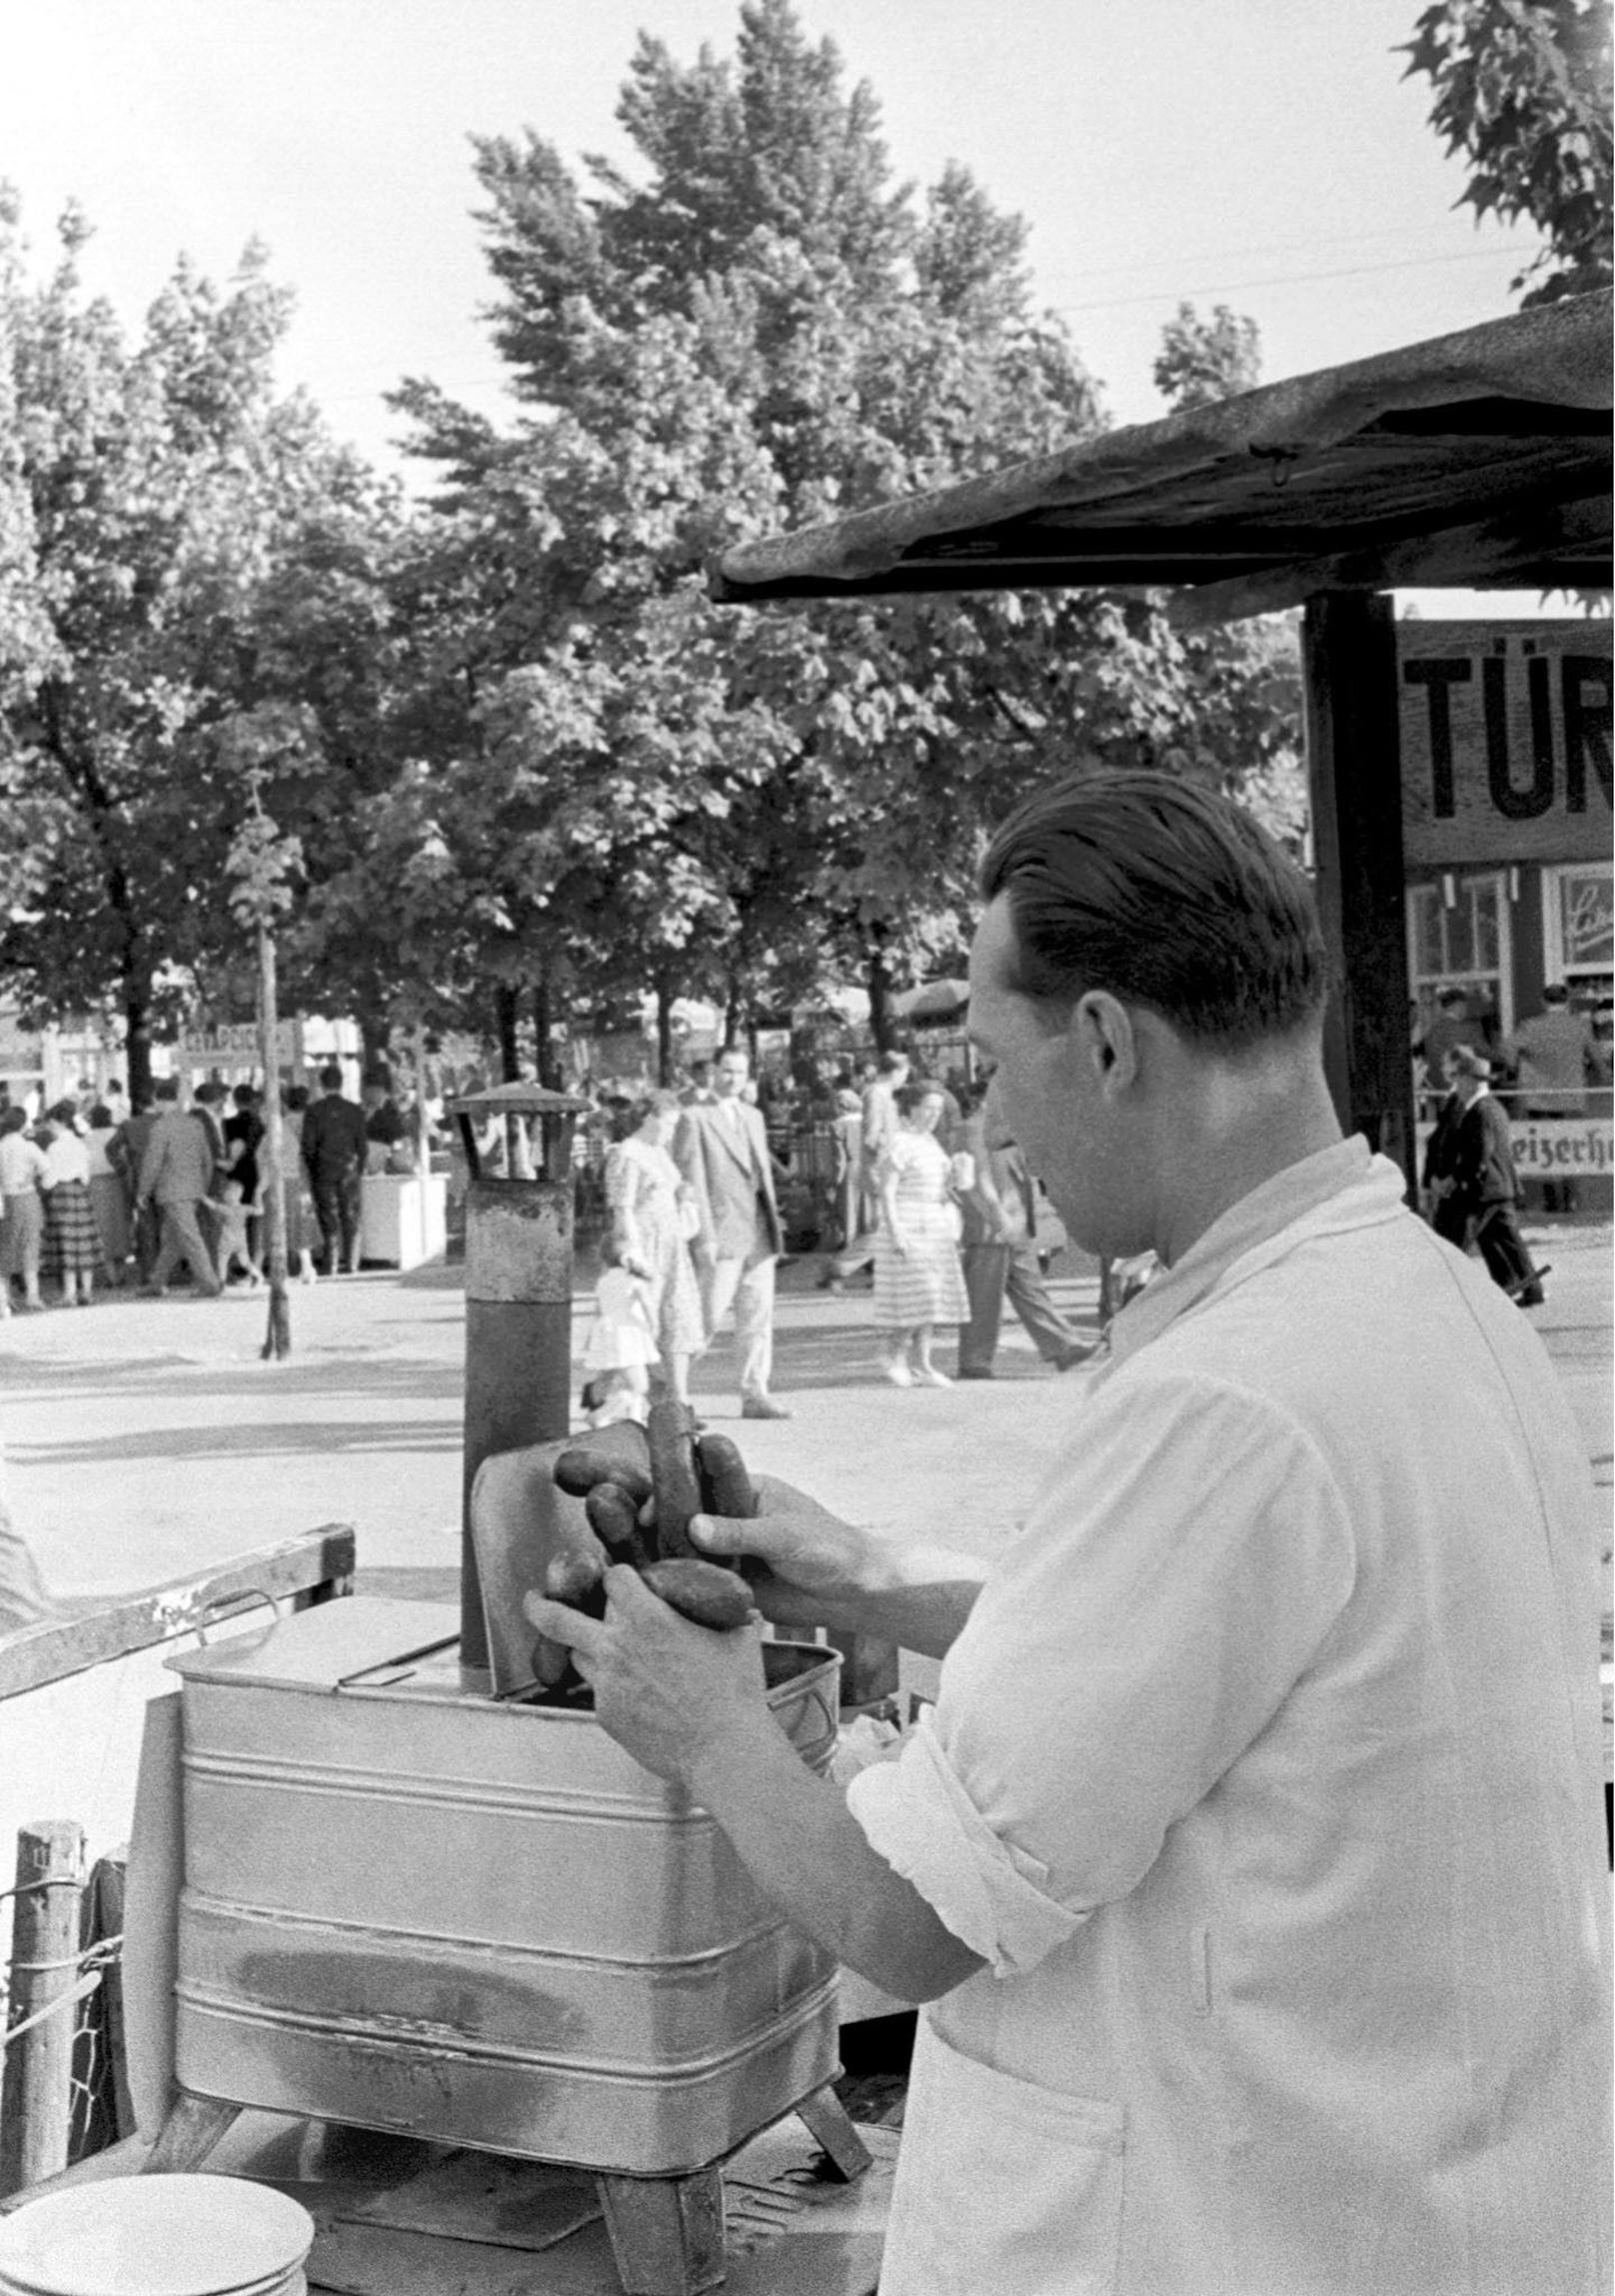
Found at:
(1171, 1587)
(917, 1813)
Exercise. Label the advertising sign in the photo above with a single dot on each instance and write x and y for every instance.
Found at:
(1555, 1148)
(1505, 741)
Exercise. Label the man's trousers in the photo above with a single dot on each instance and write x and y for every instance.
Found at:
(747, 1286)
(994, 1272)
(338, 1198)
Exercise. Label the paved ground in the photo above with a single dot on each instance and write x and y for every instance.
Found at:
(147, 1440)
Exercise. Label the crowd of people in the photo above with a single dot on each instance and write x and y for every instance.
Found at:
(935, 1201)
(98, 1195)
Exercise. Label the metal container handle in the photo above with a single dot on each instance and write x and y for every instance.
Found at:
(244, 1599)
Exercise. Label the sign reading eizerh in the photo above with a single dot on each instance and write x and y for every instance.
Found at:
(1505, 741)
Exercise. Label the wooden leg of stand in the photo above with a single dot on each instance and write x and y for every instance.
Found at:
(826, 2120)
(192, 2129)
(666, 2232)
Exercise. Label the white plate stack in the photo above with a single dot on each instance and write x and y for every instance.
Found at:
(157, 2236)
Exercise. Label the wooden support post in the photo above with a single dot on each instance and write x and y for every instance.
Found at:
(37, 2092)
(1354, 772)
(827, 2119)
(666, 2232)
(109, 1878)
(518, 1350)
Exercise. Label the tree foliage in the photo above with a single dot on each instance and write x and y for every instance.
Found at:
(754, 327)
(1203, 360)
(1522, 90)
(157, 489)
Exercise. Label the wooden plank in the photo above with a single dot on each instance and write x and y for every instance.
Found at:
(36, 2091)
(1354, 775)
(310, 1568)
(1557, 545)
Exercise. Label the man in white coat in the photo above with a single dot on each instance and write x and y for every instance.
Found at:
(721, 1150)
(1251, 1859)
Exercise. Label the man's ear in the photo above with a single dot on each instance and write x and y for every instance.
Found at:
(1102, 1036)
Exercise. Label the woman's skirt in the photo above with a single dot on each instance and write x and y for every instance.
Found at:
(72, 1240)
(22, 1234)
(928, 1285)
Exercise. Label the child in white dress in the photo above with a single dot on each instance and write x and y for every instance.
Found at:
(232, 1212)
(619, 1350)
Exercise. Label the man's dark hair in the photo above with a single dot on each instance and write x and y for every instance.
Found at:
(166, 1088)
(1164, 895)
(1447, 998)
(1555, 994)
(893, 1063)
(331, 1078)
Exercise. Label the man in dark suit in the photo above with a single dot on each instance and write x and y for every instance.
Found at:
(1484, 1187)
(334, 1147)
(721, 1150)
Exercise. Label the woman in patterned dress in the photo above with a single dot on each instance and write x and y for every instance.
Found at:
(646, 1200)
(72, 1240)
(918, 1282)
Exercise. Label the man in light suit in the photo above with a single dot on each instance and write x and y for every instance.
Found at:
(721, 1150)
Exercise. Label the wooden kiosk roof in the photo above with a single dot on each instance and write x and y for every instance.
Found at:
(1478, 459)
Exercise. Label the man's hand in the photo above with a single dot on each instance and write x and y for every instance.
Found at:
(817, 1566)
(821, 1571)
(670, 1693)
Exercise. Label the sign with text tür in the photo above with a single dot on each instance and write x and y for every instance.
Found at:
(1505, 741)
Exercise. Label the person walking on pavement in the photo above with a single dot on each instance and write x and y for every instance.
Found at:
(125, 1151)
(335, 1145)
(1483, 1186)
(22, 1208)
(721, 1151)
(917, 1284)
(1000, 1253)
(177, 1174)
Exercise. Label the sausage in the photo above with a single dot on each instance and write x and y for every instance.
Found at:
(578, 1471)
(701, 1591)
(614, 1519)
(578, 1582)
(675, 1484)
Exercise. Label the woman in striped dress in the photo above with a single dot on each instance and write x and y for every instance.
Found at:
(72, 1241)
(917, 1278)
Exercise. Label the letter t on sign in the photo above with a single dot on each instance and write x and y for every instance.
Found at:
(1438, 674)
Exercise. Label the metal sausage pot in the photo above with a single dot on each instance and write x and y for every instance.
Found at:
(410, 1908)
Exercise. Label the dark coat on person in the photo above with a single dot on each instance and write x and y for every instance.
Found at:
(334, 1138)
(1481, 1165)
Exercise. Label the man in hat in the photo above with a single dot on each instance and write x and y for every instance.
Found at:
(1482, 1186)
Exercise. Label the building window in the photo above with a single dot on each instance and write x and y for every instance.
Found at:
(1458, 938)
(1578, 938)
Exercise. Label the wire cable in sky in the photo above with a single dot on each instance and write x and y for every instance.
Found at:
(1300, 278)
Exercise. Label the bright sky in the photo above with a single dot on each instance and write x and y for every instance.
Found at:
(1263, 153)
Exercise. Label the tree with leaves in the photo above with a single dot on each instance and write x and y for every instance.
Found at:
(1203, 360)
(158, 482)
(1522, 91)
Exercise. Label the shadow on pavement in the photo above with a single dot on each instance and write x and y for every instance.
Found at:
(248, 1439)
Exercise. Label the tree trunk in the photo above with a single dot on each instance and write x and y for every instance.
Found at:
(543, 1013)
(278, 1338)
(375, 1037)
(137, 1047)
(878, 982)
(663, 1030)
(507, 1031)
